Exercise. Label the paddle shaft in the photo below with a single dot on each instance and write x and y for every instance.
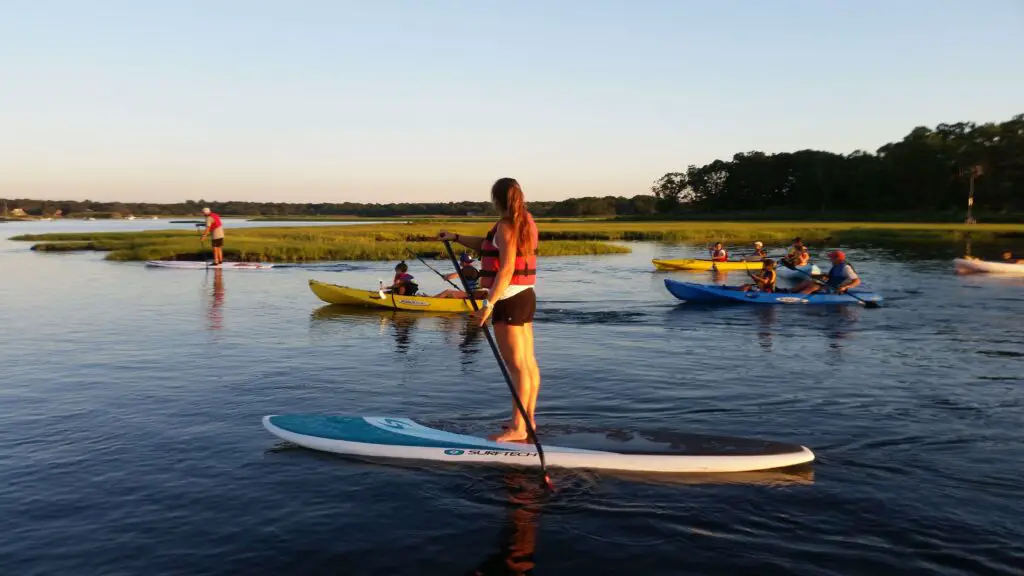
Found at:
(202, 247)
(504, 369)
(443, 277)
(815, 280)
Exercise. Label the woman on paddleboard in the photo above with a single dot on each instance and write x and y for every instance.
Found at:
(508, 270)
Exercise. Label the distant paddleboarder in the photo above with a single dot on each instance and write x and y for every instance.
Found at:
(508, 270)
(214, 229)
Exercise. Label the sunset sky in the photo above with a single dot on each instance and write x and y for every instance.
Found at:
(431, 101)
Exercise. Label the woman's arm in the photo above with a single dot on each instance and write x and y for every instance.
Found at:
(471, 242)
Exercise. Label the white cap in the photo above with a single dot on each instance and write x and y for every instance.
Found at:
(206, 210)
(758, 243)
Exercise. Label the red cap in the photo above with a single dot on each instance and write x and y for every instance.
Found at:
(838, 254)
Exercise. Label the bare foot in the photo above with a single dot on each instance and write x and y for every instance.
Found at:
(510, 436)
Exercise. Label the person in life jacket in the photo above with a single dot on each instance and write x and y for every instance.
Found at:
(214, 229)
(508, 270)
(765, 279)
(793, 253)
(759, 252)
(840, 278)
(718, 253)
(403, 283)
(472, 276)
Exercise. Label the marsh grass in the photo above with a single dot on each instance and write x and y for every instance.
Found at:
(389, 241)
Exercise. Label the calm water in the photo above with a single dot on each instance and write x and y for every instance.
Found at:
(131, 443)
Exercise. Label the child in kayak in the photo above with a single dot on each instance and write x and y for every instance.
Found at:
(403, 284)
(472, 276)
(765, 280)
(718, 253)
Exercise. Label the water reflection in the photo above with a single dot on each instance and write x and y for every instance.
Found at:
(215, 314)
(767, 317)
(518, 537)
(402, 324)
(526, 496)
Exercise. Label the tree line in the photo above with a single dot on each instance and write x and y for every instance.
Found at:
(592, 206)
(927, 171)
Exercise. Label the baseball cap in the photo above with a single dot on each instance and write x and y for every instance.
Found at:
(837, 254)
(465, 258)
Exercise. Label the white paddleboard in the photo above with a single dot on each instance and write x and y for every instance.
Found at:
(190, 265)
(385, 437)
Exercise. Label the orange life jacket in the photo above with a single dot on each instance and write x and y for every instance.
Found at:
(525, 267)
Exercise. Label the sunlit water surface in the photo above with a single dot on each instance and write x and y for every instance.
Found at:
(131, 443)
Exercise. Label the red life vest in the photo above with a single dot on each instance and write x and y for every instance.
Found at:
(525, 267)
(719, 255)
(215, 221)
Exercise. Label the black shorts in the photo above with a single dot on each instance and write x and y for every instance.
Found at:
(217, 242)
(517, 310)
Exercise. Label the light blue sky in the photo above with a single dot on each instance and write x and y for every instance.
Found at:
(432, 100)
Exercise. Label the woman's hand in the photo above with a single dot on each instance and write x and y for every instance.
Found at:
(480, 316)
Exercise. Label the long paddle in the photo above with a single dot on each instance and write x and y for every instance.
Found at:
(504, 371)
(789, 265)
(443, 277)
(202, 247)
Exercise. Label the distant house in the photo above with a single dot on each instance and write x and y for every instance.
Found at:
(18, 212)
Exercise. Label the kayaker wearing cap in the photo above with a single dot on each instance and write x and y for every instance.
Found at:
(403, 284)
(214, 229)
(472, 276)
(841, 277)
(718, 253)
(765, 280)
(508, 269)
(759, 252)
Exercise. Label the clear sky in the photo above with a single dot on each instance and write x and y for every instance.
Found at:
(432, 100)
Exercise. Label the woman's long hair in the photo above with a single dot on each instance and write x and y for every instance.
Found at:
(508, 195)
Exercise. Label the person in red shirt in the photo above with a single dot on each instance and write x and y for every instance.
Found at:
(214, 229)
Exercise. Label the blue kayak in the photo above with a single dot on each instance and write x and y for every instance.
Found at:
(691, 292)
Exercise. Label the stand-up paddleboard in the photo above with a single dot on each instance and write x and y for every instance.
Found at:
(384, 437)
(191, 265)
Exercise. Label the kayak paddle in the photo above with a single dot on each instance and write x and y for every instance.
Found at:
(504, 370)
(867, 304)
(443, 277)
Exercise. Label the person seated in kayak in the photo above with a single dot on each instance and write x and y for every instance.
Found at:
(472, 276)
(403, 283)
(759, 252)
(1009, 259)
(718, 253)
(840, 278)
(793, 252)
(802, 262)
(765, 280)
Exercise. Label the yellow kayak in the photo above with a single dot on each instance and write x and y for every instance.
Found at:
(335, 294)
(705, 265)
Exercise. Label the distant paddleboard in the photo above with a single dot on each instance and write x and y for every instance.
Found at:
(402, 438)
(189, 265)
